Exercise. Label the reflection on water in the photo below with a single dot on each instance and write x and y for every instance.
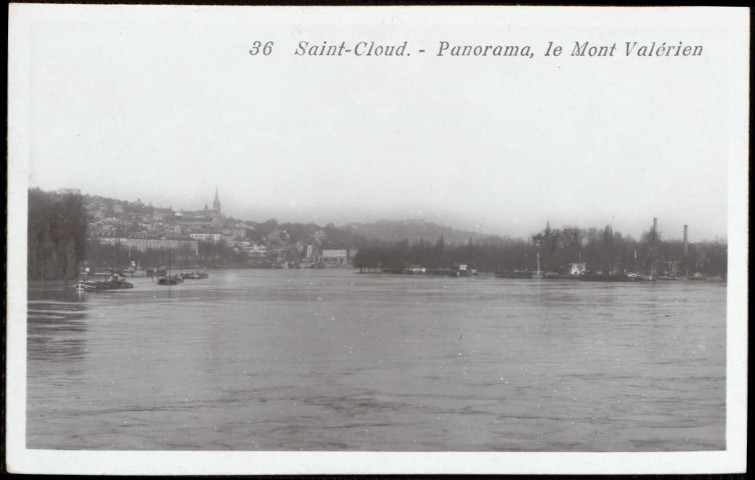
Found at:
(332, 360)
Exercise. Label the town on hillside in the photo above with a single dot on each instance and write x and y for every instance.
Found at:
(133, 234)
(70, 233)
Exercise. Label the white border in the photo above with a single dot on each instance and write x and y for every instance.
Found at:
(19, 459)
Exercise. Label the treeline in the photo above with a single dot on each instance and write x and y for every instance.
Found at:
(482, 255)
(56, 235)
(601, 250)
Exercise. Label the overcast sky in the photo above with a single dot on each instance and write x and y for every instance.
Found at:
(167, 111)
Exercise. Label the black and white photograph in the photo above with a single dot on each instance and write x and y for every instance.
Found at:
(321, 240)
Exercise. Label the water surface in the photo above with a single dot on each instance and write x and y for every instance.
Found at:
(333, 360)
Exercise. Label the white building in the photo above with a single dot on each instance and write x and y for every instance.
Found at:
(256, 250)
(144, 244)
(335, 257)
(207, 237)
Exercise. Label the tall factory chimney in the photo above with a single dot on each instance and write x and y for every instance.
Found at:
(654, 249)
(685, 241)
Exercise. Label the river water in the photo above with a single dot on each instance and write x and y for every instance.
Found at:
(333, 360)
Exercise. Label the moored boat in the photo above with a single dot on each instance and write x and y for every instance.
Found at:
(415, 270)
(114, 283)
(463, 270)
(169, 279)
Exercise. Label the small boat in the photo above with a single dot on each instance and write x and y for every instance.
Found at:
(415, 270)
(462, 270)
(169, 279)
(114, 283)
(83, 286)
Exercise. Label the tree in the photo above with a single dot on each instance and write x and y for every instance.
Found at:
(56, 235)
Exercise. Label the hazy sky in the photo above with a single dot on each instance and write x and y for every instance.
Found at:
(166, 111)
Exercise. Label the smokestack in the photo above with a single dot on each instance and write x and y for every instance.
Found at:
(654, 249)
(685, 240)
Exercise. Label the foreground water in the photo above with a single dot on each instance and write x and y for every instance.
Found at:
(332, 360)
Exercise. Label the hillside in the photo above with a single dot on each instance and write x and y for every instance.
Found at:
(414, 231)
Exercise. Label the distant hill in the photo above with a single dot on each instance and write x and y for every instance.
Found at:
(414, 231)
(353, 235)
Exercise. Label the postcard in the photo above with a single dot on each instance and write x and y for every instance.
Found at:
(377, 240)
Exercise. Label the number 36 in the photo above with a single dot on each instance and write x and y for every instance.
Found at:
(267, 49)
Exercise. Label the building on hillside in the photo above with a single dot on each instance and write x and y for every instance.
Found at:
(193, 221)
(142, 243)
(206, 218)
(335, 257)
(256, 250)
(207, 237)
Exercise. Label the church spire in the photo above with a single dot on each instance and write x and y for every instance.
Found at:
(216, 203)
